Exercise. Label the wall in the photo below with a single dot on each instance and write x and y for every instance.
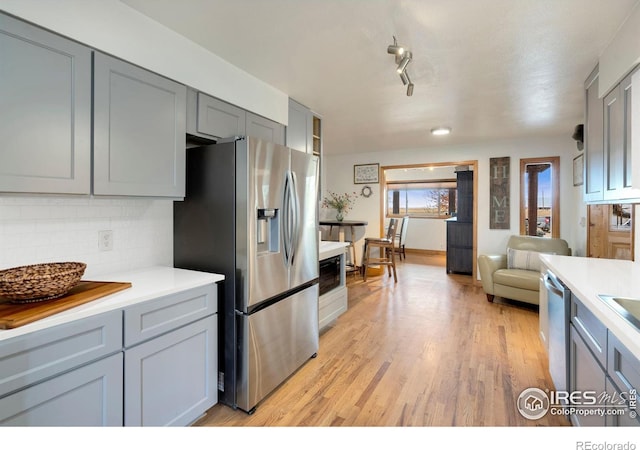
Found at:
(115, 28)
(36, 229)
(572, 208)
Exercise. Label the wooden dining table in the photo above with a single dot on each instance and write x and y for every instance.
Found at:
(343, 224)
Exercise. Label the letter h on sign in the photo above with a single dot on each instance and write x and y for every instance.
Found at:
(499, 214)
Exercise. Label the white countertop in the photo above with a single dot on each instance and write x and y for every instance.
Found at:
(146, 284)
(588, 277)
(327, 249)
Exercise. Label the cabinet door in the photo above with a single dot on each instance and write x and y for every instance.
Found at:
(88, 396)
(172, 379)
(264, 129)
(626, 418)
(45, 111)
(139, 131)
(299, 131)
(618, 167)
(219, 119)
(586, 374)
(613, 144)
(594, 140)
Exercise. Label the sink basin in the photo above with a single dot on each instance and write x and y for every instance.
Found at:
(628, 308)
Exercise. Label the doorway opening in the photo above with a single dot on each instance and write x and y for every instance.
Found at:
(610, 233)
(540, 196)
(435, 183)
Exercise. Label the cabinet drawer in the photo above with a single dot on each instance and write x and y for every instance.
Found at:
(88, 396)
(30, 358)
(622, 366)
(149, 319)
(591, 329)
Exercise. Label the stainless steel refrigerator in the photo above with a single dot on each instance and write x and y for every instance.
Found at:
(250, 213)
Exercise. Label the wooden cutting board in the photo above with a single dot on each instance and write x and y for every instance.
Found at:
(13, 315)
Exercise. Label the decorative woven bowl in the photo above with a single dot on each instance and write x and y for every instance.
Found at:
(38, 282)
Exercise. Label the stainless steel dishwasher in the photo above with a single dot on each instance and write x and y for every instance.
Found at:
(559, 316)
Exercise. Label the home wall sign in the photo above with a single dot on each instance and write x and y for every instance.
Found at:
(365, 173)
(499, 193)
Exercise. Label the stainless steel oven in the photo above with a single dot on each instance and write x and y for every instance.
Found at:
(329, 274)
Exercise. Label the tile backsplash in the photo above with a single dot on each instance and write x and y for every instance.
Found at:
(36, 229)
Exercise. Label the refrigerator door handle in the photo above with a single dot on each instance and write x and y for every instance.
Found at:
(290, 218)
(286, 219)
(295, 203)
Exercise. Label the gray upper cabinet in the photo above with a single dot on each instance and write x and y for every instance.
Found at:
(214, 118)
(617, 142)
(594, 140)
(299, 131)
(139, 131)
(45, 112)
(261, 128)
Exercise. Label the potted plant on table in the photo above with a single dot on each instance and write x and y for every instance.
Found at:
(342, 203)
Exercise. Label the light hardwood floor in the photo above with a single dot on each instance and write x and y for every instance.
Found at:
(427, 351)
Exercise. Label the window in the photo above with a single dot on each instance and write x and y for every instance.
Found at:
(540, 197)
(433, 198)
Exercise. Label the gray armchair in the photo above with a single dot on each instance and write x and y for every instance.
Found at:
(516, 273)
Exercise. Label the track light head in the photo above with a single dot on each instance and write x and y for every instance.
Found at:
(395, 50)
(404, 76)
(410, 90)
(404, 63)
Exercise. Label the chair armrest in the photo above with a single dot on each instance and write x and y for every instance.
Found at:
(487, 265)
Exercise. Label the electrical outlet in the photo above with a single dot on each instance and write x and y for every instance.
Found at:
(105, 240)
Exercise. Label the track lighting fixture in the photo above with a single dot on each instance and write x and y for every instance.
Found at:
(402, 58)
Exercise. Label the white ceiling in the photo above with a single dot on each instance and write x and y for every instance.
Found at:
(490, 69)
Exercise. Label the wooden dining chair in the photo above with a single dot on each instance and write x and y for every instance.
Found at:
(386, 248)
(401, 237)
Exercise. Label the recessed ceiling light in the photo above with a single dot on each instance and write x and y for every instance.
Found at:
(440, 131)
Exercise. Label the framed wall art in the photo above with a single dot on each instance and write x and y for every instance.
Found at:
(365, 173)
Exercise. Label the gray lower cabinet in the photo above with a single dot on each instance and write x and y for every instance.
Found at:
(70, 374)
(299, 131)
(45, 111)
(586, 374)
(265, 129)
(601, 367)
(172, 380)
(139, 138)
(88, 396)
(153, 363)
(171, 362)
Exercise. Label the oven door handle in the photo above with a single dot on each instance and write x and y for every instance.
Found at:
(551, 285)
